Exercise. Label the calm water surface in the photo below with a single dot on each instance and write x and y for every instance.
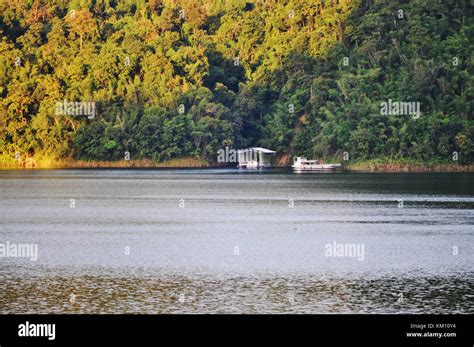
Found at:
(224, 241)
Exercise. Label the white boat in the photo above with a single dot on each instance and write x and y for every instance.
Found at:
(303, 164)
(252, 164)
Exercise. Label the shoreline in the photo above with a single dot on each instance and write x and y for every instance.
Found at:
(184, 163)
(192, 163)
(407, 167)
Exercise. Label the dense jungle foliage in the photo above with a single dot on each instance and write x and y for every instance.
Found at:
(185, 78)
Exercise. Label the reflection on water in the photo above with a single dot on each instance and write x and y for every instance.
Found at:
(240, 242)
(153, 292)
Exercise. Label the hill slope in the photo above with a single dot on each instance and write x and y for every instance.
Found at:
(170, 79)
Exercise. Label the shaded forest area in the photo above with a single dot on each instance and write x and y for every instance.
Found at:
(184, 78)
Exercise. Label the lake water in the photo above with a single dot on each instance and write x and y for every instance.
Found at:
(229, 241)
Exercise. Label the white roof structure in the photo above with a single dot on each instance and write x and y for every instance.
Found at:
(263, 150)
(254, 157)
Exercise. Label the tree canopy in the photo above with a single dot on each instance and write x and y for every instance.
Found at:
(177, 78)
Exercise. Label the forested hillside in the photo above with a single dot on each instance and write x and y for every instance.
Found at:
(184, 78)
